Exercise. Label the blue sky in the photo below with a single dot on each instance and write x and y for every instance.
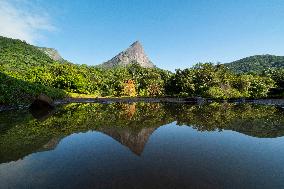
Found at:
(175, 34)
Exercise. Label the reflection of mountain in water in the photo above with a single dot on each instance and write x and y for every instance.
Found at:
(131, 124)
(134, 140)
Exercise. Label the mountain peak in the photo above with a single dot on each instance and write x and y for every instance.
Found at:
(136, 44)
(133, 54)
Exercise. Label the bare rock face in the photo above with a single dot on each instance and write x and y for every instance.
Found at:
(134, 54)
(52, 53)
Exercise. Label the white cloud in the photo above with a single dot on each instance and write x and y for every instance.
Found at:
(22, 22)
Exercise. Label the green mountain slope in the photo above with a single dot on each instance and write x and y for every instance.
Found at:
(256, 64)
(18, 56)
(18, 60)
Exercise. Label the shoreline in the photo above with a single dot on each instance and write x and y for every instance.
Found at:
(129, 100)
(193, 100)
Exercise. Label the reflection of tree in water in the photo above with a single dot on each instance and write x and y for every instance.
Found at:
(131, 124)
(128, 110)
(253, 120)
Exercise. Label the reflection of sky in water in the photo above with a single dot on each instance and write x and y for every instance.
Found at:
(173, 156)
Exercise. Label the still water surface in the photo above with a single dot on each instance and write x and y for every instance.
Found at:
(143, 146)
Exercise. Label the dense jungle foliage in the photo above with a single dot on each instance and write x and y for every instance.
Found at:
(129, 124)
(219, 82)
(26, 72)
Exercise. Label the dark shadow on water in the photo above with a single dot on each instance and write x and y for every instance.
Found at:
(42, 113)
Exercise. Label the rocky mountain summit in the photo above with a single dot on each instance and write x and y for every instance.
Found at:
(52, 53)
(134, 54)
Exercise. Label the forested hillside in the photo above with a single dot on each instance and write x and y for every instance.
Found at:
(26, 72)
(17, 62)
(256, 64)
(17, 55)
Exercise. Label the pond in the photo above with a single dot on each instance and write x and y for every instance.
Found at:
(143, 145)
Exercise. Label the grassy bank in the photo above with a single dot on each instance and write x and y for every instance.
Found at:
(14, 91)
